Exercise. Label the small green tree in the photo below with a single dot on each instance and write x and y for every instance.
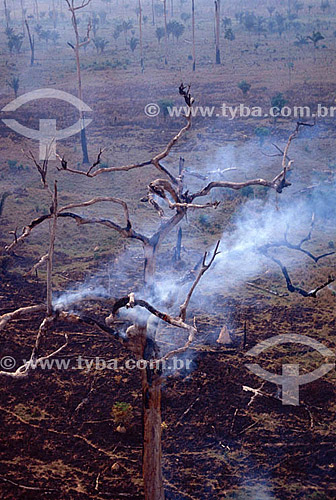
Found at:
(185, 17)
(175, 29)
(14, 83)
(316, 37)
(244, 86)
(165, 105)
(122, 414)
(226, 23)
(159, 33)
(133, 43)
(262, 133)
(54, 36)
(229, 35)
(95, 22)
(126, 26)
(300, 41)
(278, 102)
(117, 32)
(100, 44)
(14, 40)
(102, 16)
(260, 26)
(250, 21)
(280, 21)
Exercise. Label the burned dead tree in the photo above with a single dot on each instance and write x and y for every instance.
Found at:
(284, 243)
(73, 8)
(31, 43)
(298, 246)
(193, 34)
(166, 191)
(165, 30)
(217, 30)
(146, 346)
(3, 198)
(170, 190)
(141, 40)
(312, 293)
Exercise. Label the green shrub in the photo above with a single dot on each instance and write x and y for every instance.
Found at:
(244, 86)
(247, 192)
(262, 133)
(122, 413)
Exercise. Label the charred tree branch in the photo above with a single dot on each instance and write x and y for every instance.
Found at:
(203, 269)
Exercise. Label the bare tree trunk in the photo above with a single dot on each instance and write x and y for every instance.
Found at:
(52, 232)
(166, 34)
(54, 14)
(153, 13)
(37, 11)
(79, 79)
(193, 33)
(151, 405)
(150, 264)
(177, 250)
(23, 15)
(152, 449)
(80, 95)
(141, 45)
(6, 14)
(217, 15)
(31, 43)
(143, 348)
(2, 201)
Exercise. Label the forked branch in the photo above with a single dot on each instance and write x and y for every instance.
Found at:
(291, 288)
(204, 268)
(20, 313)
(155, 161)
(130, 301)
(298, 247)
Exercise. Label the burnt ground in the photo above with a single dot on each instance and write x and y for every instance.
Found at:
(218, 441)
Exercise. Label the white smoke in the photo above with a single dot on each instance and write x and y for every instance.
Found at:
(85, 291)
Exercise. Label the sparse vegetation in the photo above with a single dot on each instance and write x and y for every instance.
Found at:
(244, 86)
(316, 37)
(122, 414)
(14, 83)
(72, 433)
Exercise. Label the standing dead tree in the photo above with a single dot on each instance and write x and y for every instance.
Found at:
(3, 198)
(168, 190)
(217, 30)
(166, 30)
(76, 48)
(141, 40)
(7, 14)
(193, 33)
(298, 247)
(142, 339)
(31, 44)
